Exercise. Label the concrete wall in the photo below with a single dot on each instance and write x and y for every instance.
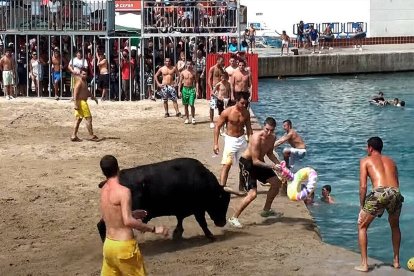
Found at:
(392, 18)
(335, 64)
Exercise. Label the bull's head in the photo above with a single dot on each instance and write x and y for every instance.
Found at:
(217, 208)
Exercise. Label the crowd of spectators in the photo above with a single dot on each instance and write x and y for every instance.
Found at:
(190, 16)
(34, 68)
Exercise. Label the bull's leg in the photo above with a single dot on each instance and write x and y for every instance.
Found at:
(201, 219)
(178, 231)
(102, 229)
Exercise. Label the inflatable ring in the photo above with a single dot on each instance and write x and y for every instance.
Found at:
(303, 184)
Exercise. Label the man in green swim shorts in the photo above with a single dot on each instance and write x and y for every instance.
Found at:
(187, 91)
(385, 195)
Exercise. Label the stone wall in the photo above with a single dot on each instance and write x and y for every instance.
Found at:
(335, 64)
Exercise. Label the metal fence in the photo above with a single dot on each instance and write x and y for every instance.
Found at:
(190, 16)
(57, 15)
(193, 29)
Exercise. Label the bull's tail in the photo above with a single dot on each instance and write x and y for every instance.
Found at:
(102, 229)
(101, 184)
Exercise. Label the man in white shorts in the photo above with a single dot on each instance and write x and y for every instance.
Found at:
(236, 117)
(285, 43)
(297, 149)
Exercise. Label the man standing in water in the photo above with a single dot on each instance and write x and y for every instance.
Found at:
(253, 168)
(298, 147)
(120, 250)
(236, 118)
(385, 194)
(81, 95)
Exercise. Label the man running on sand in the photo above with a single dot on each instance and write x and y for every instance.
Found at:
(121, 254)
(169, 82)
(236, 118)
(81, 94)
(298, 147)
(187, 90)
(385, 194)
(253, 168)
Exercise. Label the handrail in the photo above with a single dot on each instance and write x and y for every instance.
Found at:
(57, 15)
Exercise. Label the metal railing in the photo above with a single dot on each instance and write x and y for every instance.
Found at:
(339, 30)
(190, 16)
(57, 15)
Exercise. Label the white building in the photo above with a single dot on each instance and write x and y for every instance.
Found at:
(383, 17)
(392, 18)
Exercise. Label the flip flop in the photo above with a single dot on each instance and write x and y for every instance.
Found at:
(75, 139)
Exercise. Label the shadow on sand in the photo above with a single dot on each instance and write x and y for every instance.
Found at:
(102, 139)
(160, 246)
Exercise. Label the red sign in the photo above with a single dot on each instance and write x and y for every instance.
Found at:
(126, 5)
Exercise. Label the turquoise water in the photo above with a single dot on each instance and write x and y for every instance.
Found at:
(335, 119)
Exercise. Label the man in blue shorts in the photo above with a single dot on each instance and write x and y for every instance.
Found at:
(169, 82)
(57, 67)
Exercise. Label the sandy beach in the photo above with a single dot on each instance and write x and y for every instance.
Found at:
(49, 200)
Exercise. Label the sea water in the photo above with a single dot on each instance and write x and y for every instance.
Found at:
(334, 117)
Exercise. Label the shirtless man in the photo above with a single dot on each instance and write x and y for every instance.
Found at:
(169, 82)
(285, 43)
(222, 93)
(8, 66)
(385, 194)
(103, 79)
(252, 37)
(232, 67)
(242, 79)
(57, 67)
(120, 221)
(253, 168)
(236, 117)
(297, 149)
(188, 91)
(214, 77)
(81, 94)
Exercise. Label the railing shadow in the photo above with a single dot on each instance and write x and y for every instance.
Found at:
(159, 246)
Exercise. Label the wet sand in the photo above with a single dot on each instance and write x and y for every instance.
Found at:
(49, 200)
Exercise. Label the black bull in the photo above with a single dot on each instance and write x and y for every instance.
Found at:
(179, 187)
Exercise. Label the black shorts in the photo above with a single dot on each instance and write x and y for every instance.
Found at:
(103, 81)
(249, 174)
(220, 106)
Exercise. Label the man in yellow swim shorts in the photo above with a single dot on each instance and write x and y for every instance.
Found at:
(81, 95)
(121, 254)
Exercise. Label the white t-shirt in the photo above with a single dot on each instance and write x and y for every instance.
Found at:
(77, 64)
(53, 7)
